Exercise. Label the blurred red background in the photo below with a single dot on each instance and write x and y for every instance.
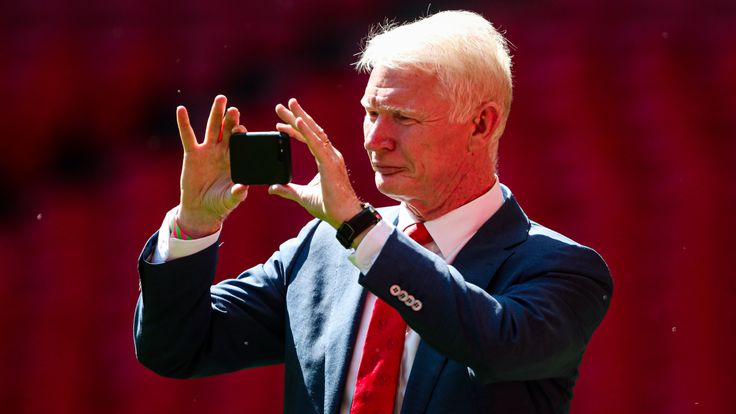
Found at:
(621, 136)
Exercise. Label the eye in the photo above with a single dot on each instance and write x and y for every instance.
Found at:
(371, 114)
(403, 118)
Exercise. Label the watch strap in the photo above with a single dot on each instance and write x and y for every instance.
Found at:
(349, 230)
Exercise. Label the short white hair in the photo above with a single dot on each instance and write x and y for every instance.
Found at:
(470, 57)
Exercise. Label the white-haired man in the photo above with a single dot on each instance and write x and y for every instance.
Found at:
(452, 301)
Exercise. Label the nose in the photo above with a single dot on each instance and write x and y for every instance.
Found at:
(378, 134)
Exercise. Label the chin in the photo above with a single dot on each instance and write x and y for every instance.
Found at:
(394, 187)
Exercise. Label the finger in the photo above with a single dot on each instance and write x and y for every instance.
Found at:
(318, 147)
(294, 133)
(186, 133)
(214, 122)
(289, 118)
(298, 111)
(232, 118)
(285, 114)
(295, 130)
(290, 131)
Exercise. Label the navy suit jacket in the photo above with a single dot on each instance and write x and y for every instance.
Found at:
(503, 329)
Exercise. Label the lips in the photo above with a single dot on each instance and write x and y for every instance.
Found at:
(386, 169)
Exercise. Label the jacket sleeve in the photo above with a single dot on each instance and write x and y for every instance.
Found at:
(545, 304)
(185, 327)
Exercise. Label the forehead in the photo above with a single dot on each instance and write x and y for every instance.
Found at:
(401, 88)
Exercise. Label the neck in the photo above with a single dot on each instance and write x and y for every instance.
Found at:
(467, 191)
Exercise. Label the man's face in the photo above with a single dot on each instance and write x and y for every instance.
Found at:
(416, 152)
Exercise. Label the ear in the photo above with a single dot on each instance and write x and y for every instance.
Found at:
(485, 122)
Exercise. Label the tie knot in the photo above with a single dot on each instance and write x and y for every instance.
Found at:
(418, 232)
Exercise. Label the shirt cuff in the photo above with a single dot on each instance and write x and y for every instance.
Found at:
(169, 248)
(370, 247)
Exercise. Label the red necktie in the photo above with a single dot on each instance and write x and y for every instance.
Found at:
(378, 374)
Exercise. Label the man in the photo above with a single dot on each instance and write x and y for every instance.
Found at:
(478, 310)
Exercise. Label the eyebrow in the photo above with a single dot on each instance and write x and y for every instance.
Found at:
(388, 108)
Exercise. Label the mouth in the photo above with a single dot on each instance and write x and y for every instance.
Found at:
(386, 169)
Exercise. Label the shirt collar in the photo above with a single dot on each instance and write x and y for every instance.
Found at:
(453, 230)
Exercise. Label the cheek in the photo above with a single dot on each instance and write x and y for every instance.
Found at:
(366, 128)
(443, 157)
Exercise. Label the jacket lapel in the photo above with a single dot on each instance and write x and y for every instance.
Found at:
(492, 244)
(343, 328)
(478, 262)
(425, 372)
(341, 333)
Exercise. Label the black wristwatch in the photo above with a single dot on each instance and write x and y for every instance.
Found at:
(350, 229)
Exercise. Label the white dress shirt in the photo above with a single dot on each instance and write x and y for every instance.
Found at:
(450, 233)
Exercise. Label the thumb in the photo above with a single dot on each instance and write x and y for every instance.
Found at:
(238, 192)
(288, 191)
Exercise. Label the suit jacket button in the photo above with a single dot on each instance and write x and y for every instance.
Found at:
(402, 295)
(409, 300)
(395, 290)
(417, 305)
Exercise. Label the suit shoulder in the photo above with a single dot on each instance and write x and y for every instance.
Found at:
(541, 234)
(551, 247)
(544, 238)
(318, 238)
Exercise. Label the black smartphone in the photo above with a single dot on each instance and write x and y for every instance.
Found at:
(260, 158)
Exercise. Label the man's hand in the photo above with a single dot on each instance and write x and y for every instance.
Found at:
(208, 194)
(329, 196)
